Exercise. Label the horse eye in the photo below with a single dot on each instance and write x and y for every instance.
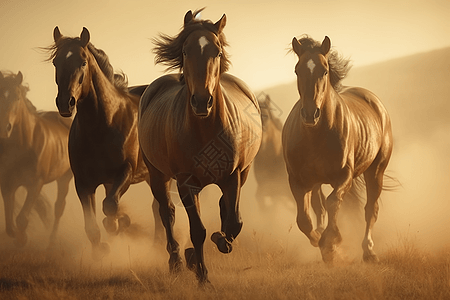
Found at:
(325, 73)
(84, 63)
(220, 54)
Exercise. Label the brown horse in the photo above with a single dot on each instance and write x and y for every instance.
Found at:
(103, 142)
(33, 152)
(200, 127)
(333, 135)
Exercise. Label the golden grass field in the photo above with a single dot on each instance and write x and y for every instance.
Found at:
(271, 258)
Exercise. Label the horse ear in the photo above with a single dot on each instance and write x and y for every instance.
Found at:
(85, 37)
(326, 45)
(188, 17)
(297, 47)
(19, 78)
(221, 23)
(56, 34)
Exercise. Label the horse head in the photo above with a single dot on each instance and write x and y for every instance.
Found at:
(312, 72)
(202, 53)
(71, 61)
(11, 91)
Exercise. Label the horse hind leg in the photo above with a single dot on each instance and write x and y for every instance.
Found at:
(8, 194)
(318, 205)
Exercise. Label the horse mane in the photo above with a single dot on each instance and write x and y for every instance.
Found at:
(338, 65)
(9, 78)
(119, 80)
(169, 49)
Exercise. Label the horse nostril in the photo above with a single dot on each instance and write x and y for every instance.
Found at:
(193, 101)
(72, 101)
(317, 113)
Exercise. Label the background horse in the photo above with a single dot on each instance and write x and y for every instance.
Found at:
(33, 152)
(200, 127)
(333, 135)
(103, 142)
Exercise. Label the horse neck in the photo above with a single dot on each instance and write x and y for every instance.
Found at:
(24, 125)
(102, 100)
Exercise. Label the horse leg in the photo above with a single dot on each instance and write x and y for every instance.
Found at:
(303, 198)
(159, 228)
(33, 192)
(111, 201)
(42, 207)
(331, 237)
(229, 213)
(188, 188)
(8, 194)
(318, 205)
(60, 204)
(87, 199)
(374, 185)
(160, 185)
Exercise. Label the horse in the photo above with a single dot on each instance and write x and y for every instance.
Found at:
(333, 135)
(269, 167)
(200, 126)
(33, 153)
(103, 141)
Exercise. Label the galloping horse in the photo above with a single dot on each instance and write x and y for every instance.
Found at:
(200, 127)
(333, 135)
(103, 142)
(33, 153)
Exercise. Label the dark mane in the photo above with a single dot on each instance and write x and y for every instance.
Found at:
(119, 80)
(339, 66)
(169, 49)
(9, 79)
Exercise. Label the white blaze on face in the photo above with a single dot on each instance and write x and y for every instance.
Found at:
(311, 65)
(69, 54)
(203, 42)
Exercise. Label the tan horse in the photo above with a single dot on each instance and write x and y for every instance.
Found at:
(200, 127)
(33, 152)
(103, 140)
(333, 135)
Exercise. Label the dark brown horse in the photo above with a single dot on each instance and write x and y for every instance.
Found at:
(333, 135)
(33, 152)
(103, 141)
(200, 127)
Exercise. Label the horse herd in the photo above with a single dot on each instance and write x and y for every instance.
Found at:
(197, 126)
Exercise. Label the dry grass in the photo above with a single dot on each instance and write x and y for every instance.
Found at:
(405, 272)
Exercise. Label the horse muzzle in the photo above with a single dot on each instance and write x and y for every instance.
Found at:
(65, 108)
(310, 118)
(201, 106)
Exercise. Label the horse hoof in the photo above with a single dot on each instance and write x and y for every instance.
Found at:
(100, 251)
(221, 241)
(111, 225)
(370, 258)
(175, 263)
(191, 259)
(124, 222)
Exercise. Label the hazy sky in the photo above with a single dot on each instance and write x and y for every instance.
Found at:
(259, 33)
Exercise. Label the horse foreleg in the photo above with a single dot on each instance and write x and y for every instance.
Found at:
(159, 228)
(111, 201)
(33, 192)
(331, 237)
(318, 205)
(188, 188)
(8, 195)
(229, 213)
(303, 198)
(60, 204)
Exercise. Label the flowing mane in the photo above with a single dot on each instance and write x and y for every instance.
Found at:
(169, 50)
(339, 66)
(119, 80)
(9, 79)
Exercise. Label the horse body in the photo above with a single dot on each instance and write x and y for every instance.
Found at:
(103, 141)
(200, 127)
(33, 153)
(333, 137)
